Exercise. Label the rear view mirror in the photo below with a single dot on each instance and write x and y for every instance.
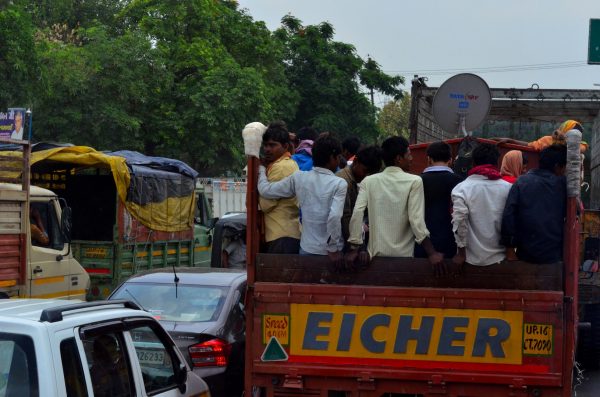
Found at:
(66, 225)
(211, 223)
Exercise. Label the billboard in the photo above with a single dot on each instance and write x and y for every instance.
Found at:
(12, 124)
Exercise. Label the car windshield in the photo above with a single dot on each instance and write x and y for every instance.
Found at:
(189, 303)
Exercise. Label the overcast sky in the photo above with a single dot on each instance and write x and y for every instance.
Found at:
(530, 41)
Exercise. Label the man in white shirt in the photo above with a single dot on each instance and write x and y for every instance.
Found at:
(478, 204)
(320, 194)
(396, 205)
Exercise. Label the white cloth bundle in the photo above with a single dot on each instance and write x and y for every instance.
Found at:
(252, 135)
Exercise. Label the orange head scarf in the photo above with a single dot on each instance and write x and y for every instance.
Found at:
(568, 126)
(512, 164)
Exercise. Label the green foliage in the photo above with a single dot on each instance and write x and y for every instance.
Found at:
(72, 13)
(178, 78)
(372, 77)
(326, 75)
(393, 118)
(102, 93)
(19, 65)
(227, 72)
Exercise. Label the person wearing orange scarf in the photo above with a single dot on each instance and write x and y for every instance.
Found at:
(558, 136)
(513, 165)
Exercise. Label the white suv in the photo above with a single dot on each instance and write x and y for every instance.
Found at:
(76, 349)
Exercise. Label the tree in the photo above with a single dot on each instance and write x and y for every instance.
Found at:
(227, 71)
(177, 79)
(372, 77)
(393, 118)
(104, 91)
(327, 75)
(19, 64)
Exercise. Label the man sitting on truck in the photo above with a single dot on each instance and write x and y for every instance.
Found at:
(282, 228)
(394, 199)
(534, 214)
(321, 196)
(478, 203)
(438, 182)
(366, 162)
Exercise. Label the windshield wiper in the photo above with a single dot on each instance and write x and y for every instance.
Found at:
(135, 300)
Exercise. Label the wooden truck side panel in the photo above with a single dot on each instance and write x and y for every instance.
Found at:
(13, 239)
(134, 248)
(14, 217)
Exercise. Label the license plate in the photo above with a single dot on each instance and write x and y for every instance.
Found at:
(151, 356)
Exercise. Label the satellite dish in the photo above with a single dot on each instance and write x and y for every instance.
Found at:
(462, 103)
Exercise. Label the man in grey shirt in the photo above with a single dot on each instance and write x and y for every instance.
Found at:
(320, 194)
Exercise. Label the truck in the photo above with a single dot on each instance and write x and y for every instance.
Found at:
(395, 329)
(130, 212)
(29, 269)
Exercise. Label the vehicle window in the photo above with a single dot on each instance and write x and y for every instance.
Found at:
(158, 370)
(108, 365)
(72, 369)
(18, 366)
(189, 303)
(44, 225)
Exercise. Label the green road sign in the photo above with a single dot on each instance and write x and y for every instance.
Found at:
(274, 351)
(594, 43)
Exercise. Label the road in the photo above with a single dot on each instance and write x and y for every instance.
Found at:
(590, 386)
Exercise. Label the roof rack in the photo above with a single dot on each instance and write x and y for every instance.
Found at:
(55, 314)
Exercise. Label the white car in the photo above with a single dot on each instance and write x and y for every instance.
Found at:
(70, 348)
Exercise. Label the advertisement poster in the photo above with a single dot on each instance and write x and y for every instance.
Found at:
(12, 124)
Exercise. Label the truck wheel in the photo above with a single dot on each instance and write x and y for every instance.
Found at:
(589, 339)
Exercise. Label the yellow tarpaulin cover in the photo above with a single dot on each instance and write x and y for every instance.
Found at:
(171, 215)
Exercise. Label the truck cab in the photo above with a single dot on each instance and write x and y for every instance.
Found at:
(54, 272)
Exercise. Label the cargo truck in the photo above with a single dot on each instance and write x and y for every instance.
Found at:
(502, 330)
(394, 329)
(130, 212)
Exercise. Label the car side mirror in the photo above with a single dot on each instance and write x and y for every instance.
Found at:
(66, 224)
(181, 377)
(211, 223)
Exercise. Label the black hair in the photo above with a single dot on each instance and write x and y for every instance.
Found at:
(278, 132)
(439, 151)
(393, 147)
(370, 157)
(323, 149)
(351, 144)
(305, 133)
(553, 155)
(486, 153)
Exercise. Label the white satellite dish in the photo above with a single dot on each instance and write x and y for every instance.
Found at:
(462, 103)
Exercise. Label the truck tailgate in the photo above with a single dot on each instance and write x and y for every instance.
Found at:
(441, 340)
